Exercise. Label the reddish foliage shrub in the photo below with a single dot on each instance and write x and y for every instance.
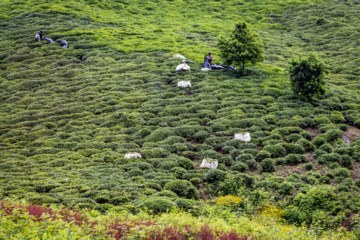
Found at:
(119, 229)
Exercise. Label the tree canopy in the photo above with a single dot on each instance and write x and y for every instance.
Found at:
(243, 46)
(307, 76)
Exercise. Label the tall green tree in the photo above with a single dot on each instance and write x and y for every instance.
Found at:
(307, 76)
(243, 46)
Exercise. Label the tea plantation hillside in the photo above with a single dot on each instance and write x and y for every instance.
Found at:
(68, 116)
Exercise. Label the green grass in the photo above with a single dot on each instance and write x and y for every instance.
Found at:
(68, 116)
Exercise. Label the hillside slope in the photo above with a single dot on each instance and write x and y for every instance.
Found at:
(68, 116)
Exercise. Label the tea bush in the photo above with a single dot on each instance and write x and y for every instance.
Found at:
(267, 165)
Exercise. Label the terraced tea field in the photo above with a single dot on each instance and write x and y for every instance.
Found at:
(68, 116)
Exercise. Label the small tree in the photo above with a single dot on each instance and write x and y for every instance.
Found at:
(242, 47)
(307, 76)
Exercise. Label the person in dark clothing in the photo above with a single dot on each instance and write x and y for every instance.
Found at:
(209, 58)
(38, 36)
(206, 63)
(63, 43)
(48, 39)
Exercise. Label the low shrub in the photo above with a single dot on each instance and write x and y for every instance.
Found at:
(244, 157)
(216, 142)
(308, 146)
(186, 163)
(251, 163)
(179, 172)
(332, 135)
(293, 148)
(346, 161)
(157, 205)
(214, 176)
(326, 148)
(293, 159)
(309, 166)
(267, 165)
(342, 173)
(201, 136)
(293, 137)
(211, 154)
(262, 155)
(329, 158)
(275, 150)
(342, 151)
(318, 153)
(319, 141)
(183, 188)
(325, 180)
(184, 204)
(286, 188)
(240, 167)
(168, 165)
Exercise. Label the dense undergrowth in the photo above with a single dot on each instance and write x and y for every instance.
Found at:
(68, 116)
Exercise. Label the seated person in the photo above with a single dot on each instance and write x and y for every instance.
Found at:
(206, 63)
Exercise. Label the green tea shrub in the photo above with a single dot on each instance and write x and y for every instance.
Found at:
(318, 153)
(217, 127)
(286, 188)
(251, 163)
(267, 165)
(293, 148)
(235, 143)
(280, 161)
(329, 158)
(342, 151)
(274, 92)
(247, 123)
(184, 204)
(346, 161)
(307, 135)
(342, 173)
(167, 193)
(102, 199)
(172, 140)
(253, 152)
(327, 127)
(201, 136)
(227, 149)
(293, 137)
(319, 141)
(179, 172)
(119, 200)
(159, 135)
(262, 155)
(240, 167)
(325, 180)
(156, 205)
(136, 172)
(228, 161)
(142, 165)
(293, 159)
(186, 163)
(275, 150)
(168, 165)
(214, 176)
(222, 167)
(357, 183)
(332, 135)
(153, 153)
(153, 185)
(211, 154)
(283, 131)
(308, 146)
(183, 188)
(187, 131)
(356, 156)
(244, 157)
(44, 188)
(216, 142)
(309, 166)
(334, 165)
(326, 148)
